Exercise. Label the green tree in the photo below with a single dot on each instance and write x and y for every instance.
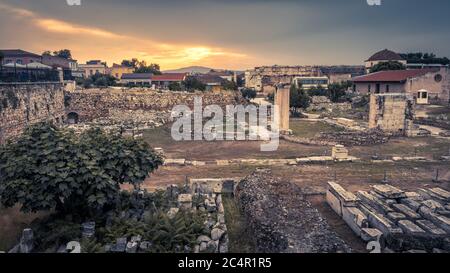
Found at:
(142, 66)
(391, 65)
(192, 84)
(336, 91)
(248, 93)
(175, 86)
(299, 99)
(53, 169)
(229, 85)
(63, 53)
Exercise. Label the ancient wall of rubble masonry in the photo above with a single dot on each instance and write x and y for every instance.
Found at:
(281, 220)
(392, 113)
(95, 103)
(22, 104)
(400, 221)
(355, 138)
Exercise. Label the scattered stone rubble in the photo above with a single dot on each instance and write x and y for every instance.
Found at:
(401, 221)
(206, 196)
(281, 219)
(356, 138)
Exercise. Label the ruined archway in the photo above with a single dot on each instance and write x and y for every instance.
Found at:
(72, 118)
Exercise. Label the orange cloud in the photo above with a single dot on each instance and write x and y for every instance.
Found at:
(96, 43)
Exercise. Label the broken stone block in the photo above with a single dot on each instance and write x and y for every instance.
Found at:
(185, 201)
(337, 197)
(88, 229)
(413, 196)
(216, 234)
(355, 219)
(441, 193)
(410, 203)
(222, 162)
(374, 202)
(384, 199)
(26, 244)
(396, 216)
(175, 162)
(172, 212)
(377, 220)
(433, 205)
(389, 191)
(203, 238)
(439, 220)
(370, 234)
(339, 152)
(430, 227)
(410, 228)
(409, 213)
(427, 195)
(132, 247)
(334, 202)
(120, 246)
(145, 245)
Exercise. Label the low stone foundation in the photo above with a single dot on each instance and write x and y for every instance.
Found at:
(395, 220)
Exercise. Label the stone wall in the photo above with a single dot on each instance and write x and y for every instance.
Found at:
(392, 113)
(28, 103)
(92, 104)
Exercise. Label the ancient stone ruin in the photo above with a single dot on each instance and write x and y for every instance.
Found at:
(281, 219)
(400, 221)
(393, 113)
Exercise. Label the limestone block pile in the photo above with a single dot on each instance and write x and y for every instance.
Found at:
(209, 201)
(401, 221)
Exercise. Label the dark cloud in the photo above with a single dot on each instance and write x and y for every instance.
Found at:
(279, 31)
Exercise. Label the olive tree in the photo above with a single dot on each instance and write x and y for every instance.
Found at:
(54, 169)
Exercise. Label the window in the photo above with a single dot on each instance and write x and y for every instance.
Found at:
(19, 62)
(424, 95)
(377, 88)
(387, 88)
(368, 88)
(438, 78)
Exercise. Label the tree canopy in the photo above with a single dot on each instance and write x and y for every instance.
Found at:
(63, 53)
(299, 98)
(142, 66)
(53, 169)
(248, 93)
(424, 58)
(192, 84)
(391, 65)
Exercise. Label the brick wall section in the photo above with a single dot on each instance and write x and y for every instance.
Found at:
(92, 104)
(25, 104)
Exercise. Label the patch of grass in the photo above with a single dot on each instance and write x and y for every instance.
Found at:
(241, 240)
(310, 129)
(158, 136)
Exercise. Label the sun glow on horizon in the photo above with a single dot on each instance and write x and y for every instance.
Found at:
(88, 42)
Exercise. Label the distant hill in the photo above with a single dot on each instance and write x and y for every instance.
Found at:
(190, 69)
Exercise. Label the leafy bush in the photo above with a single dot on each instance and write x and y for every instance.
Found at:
(50, 168)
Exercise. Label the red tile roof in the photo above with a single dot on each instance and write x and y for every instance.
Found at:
(393, 75)
(169, 77)
(385, 55)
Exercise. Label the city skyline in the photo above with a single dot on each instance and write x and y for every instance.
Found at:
(225, 34)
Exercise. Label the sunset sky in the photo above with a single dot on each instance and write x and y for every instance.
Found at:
(228, 34)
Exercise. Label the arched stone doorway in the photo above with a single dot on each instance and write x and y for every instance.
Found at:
(72, 118)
